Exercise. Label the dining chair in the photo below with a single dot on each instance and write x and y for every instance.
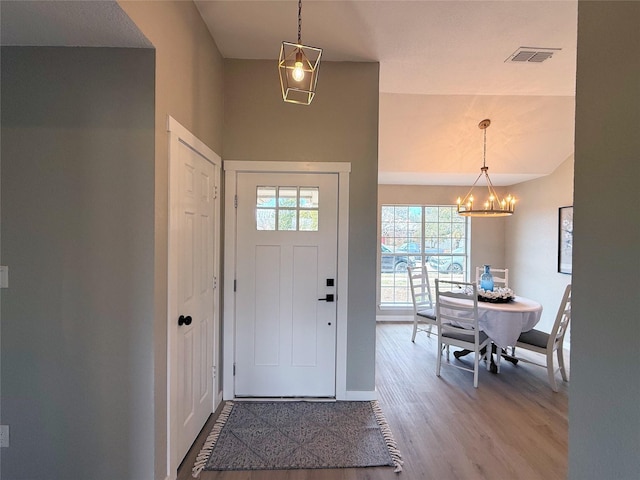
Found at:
(500, 276)
(548, 343)
(424, 314)
(457, 323)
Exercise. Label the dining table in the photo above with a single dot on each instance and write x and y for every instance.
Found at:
(504, 322)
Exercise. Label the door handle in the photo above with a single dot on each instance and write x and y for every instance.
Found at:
(328, 298)
(182, 320)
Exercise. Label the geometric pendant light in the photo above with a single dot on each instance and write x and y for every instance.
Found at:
(298, 67)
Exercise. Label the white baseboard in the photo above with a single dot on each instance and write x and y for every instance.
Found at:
(361, 395)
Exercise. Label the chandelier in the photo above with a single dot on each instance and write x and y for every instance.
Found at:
(492, 206)
(298, 68)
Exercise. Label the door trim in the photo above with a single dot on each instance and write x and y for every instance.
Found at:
(179, 134)
(231, 171)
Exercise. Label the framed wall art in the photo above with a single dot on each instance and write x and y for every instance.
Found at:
(565, 239)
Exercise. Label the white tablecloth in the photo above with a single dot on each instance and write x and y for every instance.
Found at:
(504, 322)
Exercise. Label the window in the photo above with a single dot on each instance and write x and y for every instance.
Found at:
(414, 234)
(287, 208)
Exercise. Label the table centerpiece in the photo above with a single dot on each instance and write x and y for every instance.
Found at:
(497, 295)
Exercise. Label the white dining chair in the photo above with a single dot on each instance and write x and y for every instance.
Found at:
(457, 323)
(548, 343)
(500, 276)
(424, 314)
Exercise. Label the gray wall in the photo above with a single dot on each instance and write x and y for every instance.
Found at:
(532, 240)
(604, 402)
(77, 233)
(189, 72)
(341, 125)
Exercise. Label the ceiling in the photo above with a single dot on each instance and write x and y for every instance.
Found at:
(68, 24)
(444, 67)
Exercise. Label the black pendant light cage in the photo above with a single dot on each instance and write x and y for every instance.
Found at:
(298, 67)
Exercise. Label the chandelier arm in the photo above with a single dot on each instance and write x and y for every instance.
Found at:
(490, 187)
(466, 197)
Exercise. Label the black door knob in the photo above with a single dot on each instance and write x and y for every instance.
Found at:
(182, 320)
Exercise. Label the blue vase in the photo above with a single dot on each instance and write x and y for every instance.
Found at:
(486, 279)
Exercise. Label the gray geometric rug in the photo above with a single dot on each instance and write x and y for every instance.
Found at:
(291, 435)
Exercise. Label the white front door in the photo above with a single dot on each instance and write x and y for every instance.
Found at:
(286, 267)
(195, 302)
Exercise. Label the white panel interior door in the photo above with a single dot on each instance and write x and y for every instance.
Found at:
(195, 325)
(286, 262)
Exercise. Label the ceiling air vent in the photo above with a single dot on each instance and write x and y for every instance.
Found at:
(532, 54)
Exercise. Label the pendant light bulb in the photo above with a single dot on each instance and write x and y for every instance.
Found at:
(298, 70)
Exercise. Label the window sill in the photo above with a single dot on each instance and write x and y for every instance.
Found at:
(397, 308)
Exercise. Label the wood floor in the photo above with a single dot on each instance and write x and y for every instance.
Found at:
(513, 426)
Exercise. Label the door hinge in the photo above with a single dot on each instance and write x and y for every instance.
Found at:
(215, 282)
(234, 369)
(234, 285)
(215, 192)
(235, 201)
(213, 372)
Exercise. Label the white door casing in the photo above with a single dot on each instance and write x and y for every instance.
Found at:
(285, 335)
(231, 258)
(193, 295)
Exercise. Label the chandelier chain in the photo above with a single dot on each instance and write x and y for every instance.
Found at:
(299, 21)
(484, 153)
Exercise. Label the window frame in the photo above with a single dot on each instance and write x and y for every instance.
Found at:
(452, 234)
(288, 212)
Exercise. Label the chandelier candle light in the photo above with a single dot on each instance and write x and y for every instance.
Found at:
(493, 206)
(298, 68)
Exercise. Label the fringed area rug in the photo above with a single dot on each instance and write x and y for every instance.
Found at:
(298, 435)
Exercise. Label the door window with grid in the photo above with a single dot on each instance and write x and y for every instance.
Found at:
(434, 235)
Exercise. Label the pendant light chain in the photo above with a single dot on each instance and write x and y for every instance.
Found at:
(299, 21)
